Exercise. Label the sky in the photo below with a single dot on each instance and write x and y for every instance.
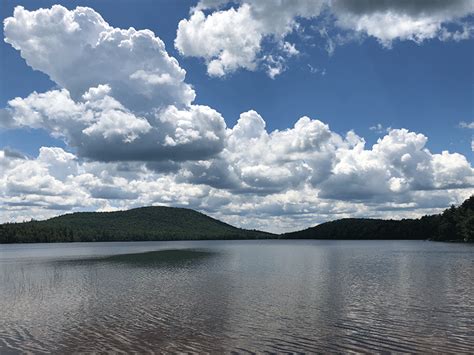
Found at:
(269, 115)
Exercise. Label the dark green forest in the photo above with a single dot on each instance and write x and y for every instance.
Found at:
(168, 223)
(454, 224)
(146, 223)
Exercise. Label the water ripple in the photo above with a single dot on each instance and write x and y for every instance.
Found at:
(244, 298)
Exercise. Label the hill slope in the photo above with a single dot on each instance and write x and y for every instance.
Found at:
(168, 223)
(146, 223)
(454, 224)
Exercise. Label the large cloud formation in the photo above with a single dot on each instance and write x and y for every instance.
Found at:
(134, 138)
(123, 96)
(283, 180)
(230, 37)
(311, 155)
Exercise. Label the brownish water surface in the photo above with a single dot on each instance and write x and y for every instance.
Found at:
(214, 296)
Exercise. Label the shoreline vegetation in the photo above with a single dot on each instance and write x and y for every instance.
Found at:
(455, 224)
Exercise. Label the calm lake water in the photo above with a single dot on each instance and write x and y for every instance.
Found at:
(277, 296)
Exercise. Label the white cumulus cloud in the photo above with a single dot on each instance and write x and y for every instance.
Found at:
(232, 38)
(122, 96)
(229, 35)
(134, 136)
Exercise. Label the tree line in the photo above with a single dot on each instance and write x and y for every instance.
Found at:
(167, 223)
(454, 224)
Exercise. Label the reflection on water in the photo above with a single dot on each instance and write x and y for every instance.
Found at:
(273, 296)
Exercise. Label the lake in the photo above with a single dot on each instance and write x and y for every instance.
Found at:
(276, 296)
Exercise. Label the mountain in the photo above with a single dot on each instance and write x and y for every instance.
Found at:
(146, 223)
(454, 224)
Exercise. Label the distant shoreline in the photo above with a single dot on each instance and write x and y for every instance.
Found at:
(244, 240)
(455, 224)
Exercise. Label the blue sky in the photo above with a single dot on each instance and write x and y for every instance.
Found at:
(372, 78)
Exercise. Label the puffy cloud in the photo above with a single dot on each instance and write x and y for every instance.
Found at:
(101, 128)
(230, 35)
(335, 167)
(78, 50)
(40, 187)
(451, 170)
(200, 123)
(270, 162)
(396, 164)
(226, 39)
(122, 98)
(100, 115)
(401, 20)
(231, 39)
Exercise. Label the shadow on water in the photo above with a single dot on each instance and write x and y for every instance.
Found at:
(172, 258)
(160, 258)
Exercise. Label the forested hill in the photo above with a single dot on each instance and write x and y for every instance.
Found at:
(454, 224)
(168, 223)
(146, 223)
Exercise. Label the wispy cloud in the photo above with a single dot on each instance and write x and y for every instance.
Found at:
(379, 128)
(468, 125)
